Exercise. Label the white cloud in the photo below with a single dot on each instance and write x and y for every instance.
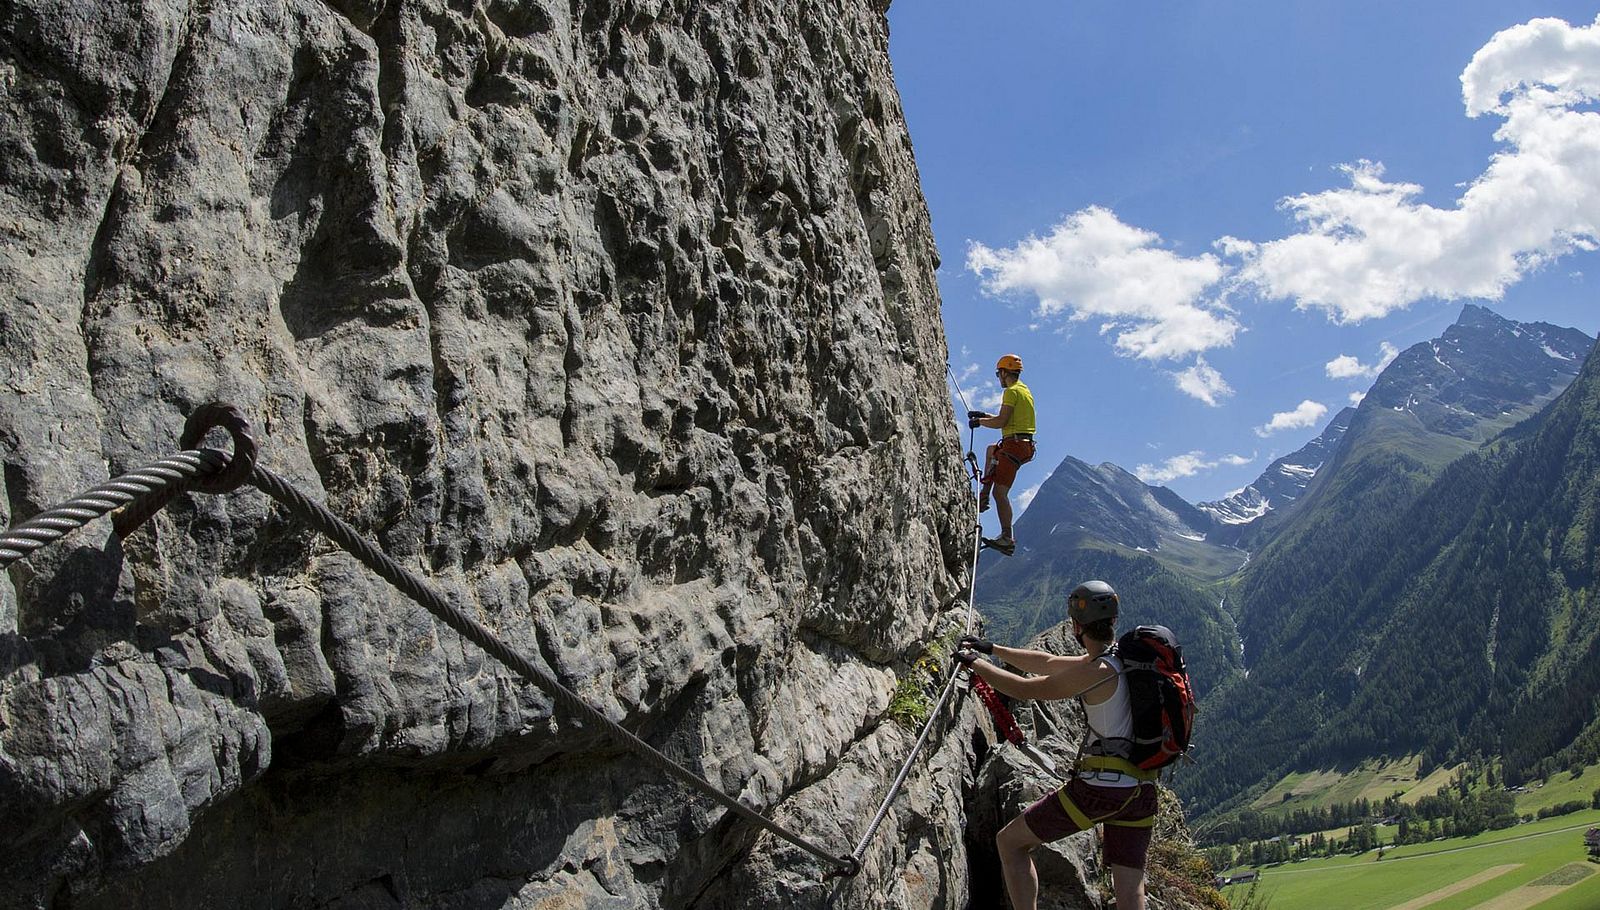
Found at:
(1356, 398)
(1305, 414)
(1386, 355)
(1542, 55)
(1025, 498)
(1186, 465)
(1092, 266)
(1202, 381)
(1346, 366)
(1371, 248)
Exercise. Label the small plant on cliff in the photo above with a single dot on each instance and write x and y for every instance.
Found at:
(909, 704)
(912, 699)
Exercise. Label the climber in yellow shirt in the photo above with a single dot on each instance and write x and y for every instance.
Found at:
(1015, 448)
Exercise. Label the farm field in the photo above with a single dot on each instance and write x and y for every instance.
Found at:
(1561, 788)
(1541, 864)
(1378, 780)
(1373, 781)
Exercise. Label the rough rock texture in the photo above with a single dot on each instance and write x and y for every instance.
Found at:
(617, 317)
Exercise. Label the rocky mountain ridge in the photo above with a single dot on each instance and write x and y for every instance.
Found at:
(1240, 517)
(1483, 373)
(1493, 556)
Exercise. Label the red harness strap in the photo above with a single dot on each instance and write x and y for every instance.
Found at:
(1003, 721)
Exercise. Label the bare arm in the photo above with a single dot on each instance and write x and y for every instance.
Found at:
(1067, 683)
(1042, 662)
(998, 421)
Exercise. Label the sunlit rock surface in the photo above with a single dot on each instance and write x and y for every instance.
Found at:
(617, 319)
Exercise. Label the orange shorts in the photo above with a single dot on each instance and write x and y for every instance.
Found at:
(1004, 460)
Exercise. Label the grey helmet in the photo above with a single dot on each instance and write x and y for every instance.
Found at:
(1091, 602)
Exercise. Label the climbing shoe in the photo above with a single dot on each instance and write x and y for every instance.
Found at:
(983, 503)
(1004, 544)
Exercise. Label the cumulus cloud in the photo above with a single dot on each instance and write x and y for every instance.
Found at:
(1092, 266)
(1186, 465)
(1202, 381)
(1025, 498)
(1356, 398)
(1305, 414)
(1346, 366)
(1370, 248)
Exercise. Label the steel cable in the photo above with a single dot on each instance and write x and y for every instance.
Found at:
(167, 477)
(955, 674)
(139, 493)
(320, 518)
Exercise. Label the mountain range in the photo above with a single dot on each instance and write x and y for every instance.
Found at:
(1302, 597)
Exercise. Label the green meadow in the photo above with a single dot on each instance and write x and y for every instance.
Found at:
(1375, 781)
(1540, 864)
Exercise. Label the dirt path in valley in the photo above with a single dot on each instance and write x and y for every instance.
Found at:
(1433, 897)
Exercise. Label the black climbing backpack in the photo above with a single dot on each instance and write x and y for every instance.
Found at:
(1159, 694)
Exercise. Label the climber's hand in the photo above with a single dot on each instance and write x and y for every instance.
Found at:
(974, 643)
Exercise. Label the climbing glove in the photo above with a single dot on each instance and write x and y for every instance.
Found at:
(975, 418)
(965, 657)
(974, 643)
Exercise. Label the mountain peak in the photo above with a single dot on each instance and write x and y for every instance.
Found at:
(1474, 315)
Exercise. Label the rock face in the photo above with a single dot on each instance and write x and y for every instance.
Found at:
(615, 317)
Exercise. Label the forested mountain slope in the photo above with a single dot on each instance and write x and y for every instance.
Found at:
(1461, 622)
(1437, 401)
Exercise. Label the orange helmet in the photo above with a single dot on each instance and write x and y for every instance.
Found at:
(1010, 362)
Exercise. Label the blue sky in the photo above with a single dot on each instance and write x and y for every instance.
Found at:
(1202, 223)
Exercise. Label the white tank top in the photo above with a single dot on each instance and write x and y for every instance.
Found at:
(1112, 719)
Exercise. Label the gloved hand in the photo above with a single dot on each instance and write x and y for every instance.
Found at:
(974, 643)
(965, 658)
(975, 418)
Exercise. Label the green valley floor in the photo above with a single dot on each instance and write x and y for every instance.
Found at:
(1540, 864)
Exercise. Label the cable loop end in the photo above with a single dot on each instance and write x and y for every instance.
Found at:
(849, 867)
(241, 464)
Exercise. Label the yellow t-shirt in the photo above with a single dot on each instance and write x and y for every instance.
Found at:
(1021, 401)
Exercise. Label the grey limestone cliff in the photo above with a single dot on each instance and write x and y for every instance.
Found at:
(615, 317)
